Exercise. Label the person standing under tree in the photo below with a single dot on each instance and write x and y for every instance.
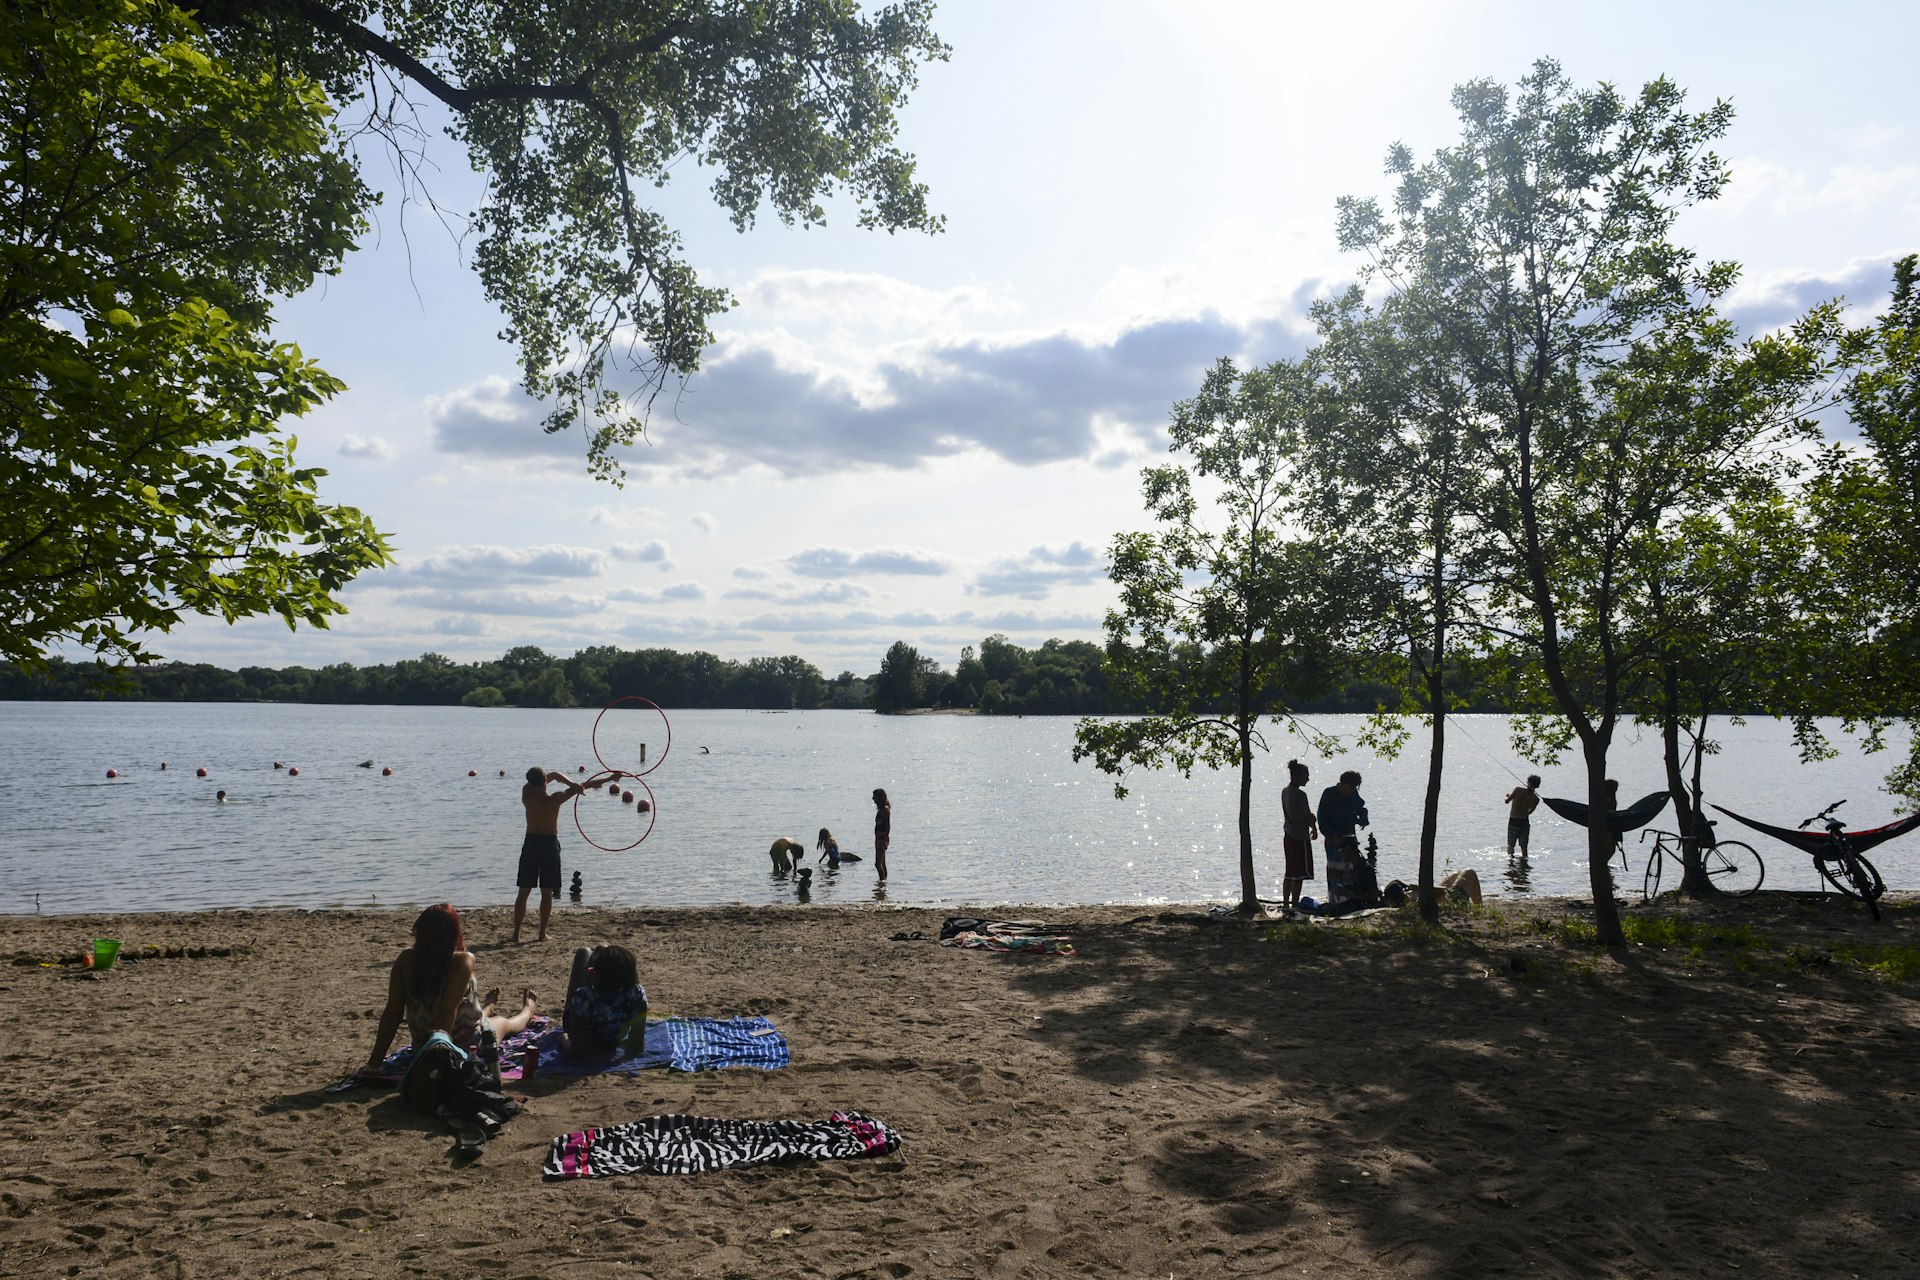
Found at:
(882, 830)
(1300, 831)
(1521, 802)
(540, 851)
(1341, 812)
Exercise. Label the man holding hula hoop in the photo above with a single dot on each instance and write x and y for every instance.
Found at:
(540, 851)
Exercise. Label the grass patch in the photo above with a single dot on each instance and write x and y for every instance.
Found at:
(1893, 964)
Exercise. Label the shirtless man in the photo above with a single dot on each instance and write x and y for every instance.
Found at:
(540, 851)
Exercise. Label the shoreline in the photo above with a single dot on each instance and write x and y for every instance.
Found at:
(1364, 1097)
(1527, 904)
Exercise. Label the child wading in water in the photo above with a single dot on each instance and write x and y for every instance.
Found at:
(882, 830)
(830, 850)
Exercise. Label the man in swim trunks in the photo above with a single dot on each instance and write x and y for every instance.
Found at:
(540, 851)
(1521, 802)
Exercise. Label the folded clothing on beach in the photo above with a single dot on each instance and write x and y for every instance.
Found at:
(697, 1144)
(679, 1044)
(1033, 936)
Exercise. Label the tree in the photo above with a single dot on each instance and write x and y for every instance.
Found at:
(1725, 598)
(571, 111)
(897, 687)
(1391, 449)
(153, 200)
(1611, 397)
(548, 689)
(1865, 504)
(1219, 630)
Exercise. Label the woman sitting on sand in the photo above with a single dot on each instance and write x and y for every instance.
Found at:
(432, 984)
(606, 1008)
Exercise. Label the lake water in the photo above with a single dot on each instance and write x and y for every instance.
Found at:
(985, 810)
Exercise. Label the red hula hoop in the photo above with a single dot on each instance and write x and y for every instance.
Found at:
(663, 751)
(653, 815)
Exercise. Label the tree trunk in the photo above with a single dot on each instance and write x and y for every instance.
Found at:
(1436, 706)
(1249, 891)
(1693, 880)
(1606, 912)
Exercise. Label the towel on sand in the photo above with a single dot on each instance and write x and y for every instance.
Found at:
(679, 1044)
(696, 1144)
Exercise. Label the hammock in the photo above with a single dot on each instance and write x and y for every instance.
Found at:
(1821, 844)
(1634, 816)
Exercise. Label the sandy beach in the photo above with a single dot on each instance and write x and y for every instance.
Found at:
(1361, 1098)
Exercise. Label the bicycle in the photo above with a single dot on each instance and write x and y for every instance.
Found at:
(1843, 867)
(1732, 866)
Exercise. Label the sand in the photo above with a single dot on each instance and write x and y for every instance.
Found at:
(1179, 1099)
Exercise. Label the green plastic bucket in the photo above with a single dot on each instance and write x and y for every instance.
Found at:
(105, 952)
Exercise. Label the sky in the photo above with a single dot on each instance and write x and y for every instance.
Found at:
(935, 438)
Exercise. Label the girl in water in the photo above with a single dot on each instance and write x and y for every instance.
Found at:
(882, 830)
(830, 850)
(432, 985)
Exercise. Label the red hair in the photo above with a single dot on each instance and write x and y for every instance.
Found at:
(436, 936)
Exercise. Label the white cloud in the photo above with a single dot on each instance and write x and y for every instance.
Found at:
(354, 446)
(491, 565)
(702, 521)
(1035, 575)
(838, 562)
(655, 552)
(511, 603)
(679, 591)
(822, 593)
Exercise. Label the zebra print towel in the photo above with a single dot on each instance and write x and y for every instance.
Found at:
(695, 1144)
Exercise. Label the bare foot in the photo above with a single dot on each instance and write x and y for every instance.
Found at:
(488, 1000)
(526, 1000)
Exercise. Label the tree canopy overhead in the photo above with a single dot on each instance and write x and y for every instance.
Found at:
(153, 201)
(571, 109)
(166, 175)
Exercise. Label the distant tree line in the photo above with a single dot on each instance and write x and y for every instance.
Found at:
(998, 677)
(525, 676)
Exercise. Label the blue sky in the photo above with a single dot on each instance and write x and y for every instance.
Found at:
(934, 438)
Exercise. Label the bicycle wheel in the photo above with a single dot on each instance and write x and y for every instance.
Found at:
(1854, 876)
(1733, 868)
(1650, 884)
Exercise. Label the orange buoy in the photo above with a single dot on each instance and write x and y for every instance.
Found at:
(473, 773)
(113, 773)
(387, 772)
(199, 773)
(293, 771)
(626, 797)
(642, 805)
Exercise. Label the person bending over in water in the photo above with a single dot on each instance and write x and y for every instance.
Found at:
(786, 855)
(606, 1009)
(432, 985)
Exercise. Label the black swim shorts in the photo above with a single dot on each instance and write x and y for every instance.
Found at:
(539, 863)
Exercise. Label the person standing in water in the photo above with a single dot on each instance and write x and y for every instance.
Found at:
(1521, 802)
(882, 830)
(1300, 830)
(540, 850)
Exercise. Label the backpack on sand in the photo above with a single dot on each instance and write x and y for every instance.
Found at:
(445, 1080)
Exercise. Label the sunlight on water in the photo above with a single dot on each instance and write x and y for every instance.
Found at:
(985, 810)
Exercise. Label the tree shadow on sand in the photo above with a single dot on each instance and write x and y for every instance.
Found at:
(1497, 1101)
